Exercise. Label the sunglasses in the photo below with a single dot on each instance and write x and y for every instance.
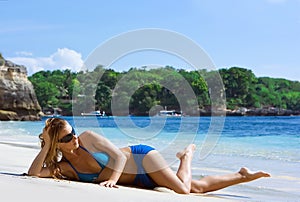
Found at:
(67, 138)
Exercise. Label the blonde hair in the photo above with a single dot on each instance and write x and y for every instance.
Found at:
(53, 126)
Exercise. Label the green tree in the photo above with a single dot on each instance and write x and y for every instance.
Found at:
(238, 84)
(138, 90)
(46, 91)
(46, 94)
(198, 84)
(145, 98)
(103, 97)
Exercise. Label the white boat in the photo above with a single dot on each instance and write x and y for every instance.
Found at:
(52, 115)
(94, 113)
(170, 113)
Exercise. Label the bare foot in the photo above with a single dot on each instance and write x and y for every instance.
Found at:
(188, 151)
(249, 176)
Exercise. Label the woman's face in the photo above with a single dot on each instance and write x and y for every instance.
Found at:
(67, 138)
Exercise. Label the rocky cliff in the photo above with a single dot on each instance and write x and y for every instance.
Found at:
(17, 97)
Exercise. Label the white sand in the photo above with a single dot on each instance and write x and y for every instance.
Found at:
(16, 158)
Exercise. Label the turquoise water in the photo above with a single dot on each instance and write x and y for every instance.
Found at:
(224, 144)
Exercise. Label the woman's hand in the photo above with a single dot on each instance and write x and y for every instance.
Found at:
(37, 168)
(46, 140)
(109, 183)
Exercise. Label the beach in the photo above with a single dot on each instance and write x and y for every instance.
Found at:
(259, 143)
(15, 186)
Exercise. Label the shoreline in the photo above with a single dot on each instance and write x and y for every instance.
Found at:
(203, 114)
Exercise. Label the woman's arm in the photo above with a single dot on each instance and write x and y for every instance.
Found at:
(36, 168)
(100, 143)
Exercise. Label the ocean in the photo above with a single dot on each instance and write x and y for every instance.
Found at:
(224, 144)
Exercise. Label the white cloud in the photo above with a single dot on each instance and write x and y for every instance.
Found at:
(66, 58)
(24, 53)
(63, 58)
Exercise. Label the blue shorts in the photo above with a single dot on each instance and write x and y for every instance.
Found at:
(142, 179)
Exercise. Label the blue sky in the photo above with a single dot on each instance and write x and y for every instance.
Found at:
(261, 35)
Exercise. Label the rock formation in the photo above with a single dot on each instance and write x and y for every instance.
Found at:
(17, 97)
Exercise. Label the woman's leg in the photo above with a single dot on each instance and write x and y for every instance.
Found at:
(213, 183)
(184, 172)
(163, 175)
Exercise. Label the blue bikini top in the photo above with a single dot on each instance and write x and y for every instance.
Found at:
(102, 159)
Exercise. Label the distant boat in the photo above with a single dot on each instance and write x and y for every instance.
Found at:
(170, 113)
(52, 116)
(94, 113)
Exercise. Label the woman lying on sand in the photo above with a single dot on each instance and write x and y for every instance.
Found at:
(92, 158)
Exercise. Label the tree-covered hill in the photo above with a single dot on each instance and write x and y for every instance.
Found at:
(144, 89)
